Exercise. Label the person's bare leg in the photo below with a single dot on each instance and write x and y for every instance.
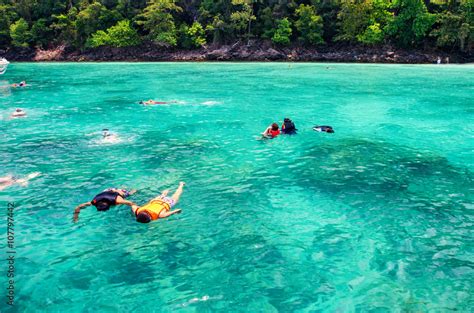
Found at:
(163, 194)
(178, 192)
(6, 179)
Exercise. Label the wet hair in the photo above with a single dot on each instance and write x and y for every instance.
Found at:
(286, 119)
(141, 102)
(102, 206)
(143, 217)
(274, 126)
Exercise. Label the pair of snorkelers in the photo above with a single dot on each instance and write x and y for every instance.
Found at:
(288, 128)
(157, 208)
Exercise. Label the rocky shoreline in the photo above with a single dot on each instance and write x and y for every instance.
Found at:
(242, 52)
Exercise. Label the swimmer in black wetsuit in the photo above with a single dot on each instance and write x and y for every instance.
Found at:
(104, 200)
(288, 127)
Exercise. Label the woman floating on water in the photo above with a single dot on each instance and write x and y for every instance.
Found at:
(159, 207)
(153, 102)
(10, 180)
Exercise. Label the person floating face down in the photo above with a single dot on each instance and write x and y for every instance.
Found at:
(159, 207)
(288, 127)
(104, 200)
(272, 131)
(21, 84)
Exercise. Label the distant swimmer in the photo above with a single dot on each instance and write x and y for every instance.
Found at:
(109, 137)
(153, 102)
(288, 127)
(104, 200)
(159, 207)
(325, 129)
(10, 180)
(21, 84)
(18, 113)
(272, 131)
(106, 133)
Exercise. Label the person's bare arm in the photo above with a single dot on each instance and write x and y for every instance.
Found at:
(121, 200)
(165, 214)
(78, 209)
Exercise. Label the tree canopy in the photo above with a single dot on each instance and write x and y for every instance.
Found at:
(190, 24)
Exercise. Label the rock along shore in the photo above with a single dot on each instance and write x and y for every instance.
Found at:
(241, 52)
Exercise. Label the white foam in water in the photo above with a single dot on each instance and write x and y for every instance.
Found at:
(112, 139)
(202, 299)
(211, 102)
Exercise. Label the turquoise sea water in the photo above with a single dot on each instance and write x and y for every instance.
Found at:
(377, 217)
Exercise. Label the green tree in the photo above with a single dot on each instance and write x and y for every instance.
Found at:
(354, 18)
(20, 33)
(120, 35)
(364, 21)
(412, 22)
(266, 23)
(282, 33)
(193, 36)
(94, 17)
(7, 15)
(123, 35)
(41, 33)
(242, 19)
(309, 25)
(64, 28)
(372, 35)
(158, 20)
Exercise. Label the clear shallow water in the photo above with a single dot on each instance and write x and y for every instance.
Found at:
(376, 217)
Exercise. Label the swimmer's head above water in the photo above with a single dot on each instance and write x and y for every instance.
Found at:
(143, 217)
(105, 132)
(18, 113)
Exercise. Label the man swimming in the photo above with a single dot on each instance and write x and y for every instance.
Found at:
(21, 84)
(108, 137)
(104, 200)
(159, 207)
(288, 127)
(18, 113)
(11, 180)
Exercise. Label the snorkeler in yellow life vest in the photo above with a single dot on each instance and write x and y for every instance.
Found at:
(159, 207)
